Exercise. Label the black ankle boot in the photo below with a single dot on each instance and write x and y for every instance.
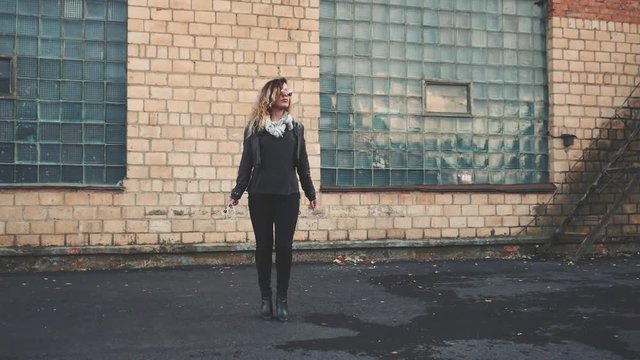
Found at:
(282, 311)
(266, 308)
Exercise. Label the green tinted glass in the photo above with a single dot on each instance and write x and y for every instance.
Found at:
(432, 92)
(64, 121)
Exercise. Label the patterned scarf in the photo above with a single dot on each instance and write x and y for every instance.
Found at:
(277, 129)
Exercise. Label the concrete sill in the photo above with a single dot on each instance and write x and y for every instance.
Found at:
(472, 188)
(249, 246)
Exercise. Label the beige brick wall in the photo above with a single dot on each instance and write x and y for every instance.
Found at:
(593, 67)
(194, 70)
(419, 215)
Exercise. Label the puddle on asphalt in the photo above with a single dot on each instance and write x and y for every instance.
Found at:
(533, 322)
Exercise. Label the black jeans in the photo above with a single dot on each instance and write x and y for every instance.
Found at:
(267, 210)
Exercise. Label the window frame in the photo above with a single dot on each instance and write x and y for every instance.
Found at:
(466, 84)
(12, 80)
(413, 147)
(85, 170)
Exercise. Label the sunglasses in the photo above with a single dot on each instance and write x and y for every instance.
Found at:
(287, 92)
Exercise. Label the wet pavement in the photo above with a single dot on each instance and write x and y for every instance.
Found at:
(490, 309)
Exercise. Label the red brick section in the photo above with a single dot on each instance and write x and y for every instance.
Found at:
(608, 10)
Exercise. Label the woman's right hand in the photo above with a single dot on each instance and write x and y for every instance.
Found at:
(232, 202)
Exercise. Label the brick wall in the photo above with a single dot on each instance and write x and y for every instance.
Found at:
(593, 67)
(608, 10)
(415, 215)
(194, 70)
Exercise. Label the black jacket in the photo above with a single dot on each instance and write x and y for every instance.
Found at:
(251, 160)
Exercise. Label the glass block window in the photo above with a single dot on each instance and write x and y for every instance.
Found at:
(66, 123)
(432, 92)
(6, 77)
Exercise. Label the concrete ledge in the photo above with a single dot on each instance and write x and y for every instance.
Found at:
(240, 247)
(27, 259)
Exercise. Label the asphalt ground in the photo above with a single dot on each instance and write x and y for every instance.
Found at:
(489, 309)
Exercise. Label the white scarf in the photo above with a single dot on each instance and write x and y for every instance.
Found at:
(277, 129)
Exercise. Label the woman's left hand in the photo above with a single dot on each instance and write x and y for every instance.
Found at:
(313, 204)
(232, 202)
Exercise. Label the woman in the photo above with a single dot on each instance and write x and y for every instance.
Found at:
(273, 150)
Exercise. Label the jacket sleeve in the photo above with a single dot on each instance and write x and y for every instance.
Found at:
(245, 168)
(304, 173)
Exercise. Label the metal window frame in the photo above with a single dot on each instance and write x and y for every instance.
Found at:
(118, 166)
(12, 81)
(426, 112)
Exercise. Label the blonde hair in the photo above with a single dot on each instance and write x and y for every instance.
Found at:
(260, 113)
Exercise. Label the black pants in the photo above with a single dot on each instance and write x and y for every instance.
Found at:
(267, 210)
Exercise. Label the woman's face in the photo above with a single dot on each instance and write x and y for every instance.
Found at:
(284, 99)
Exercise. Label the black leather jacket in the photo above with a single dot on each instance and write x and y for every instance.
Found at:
(251, 160)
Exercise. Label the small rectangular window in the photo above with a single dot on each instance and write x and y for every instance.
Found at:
(447, 98)
(6, 77)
